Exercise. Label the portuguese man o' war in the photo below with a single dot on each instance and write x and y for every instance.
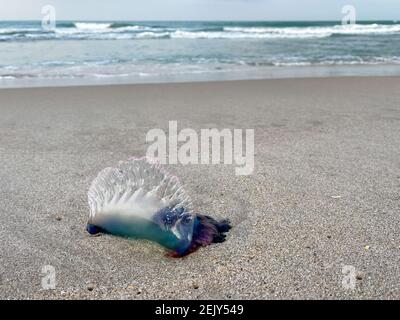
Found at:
(140, 199)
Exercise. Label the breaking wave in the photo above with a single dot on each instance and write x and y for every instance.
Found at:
(132, 31)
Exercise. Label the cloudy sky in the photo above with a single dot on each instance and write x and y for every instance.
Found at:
(200, 9)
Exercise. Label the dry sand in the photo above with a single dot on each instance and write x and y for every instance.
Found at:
(324, 194)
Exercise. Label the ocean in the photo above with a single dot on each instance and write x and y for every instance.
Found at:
(78, 52)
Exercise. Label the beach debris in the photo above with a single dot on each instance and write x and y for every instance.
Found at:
(359, 275)
(139, 199)
(336, 197)
(195, 285)
(366, 248)
(131, 286)
(90, 287)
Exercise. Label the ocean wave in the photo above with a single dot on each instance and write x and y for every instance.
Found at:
(117, 25)
(153, 35)
(242, 35)
(92, 25)
(65, 24)
(318, 32)
(132, 31)
(11, 31)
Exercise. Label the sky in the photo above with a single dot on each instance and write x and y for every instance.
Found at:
(200, 9)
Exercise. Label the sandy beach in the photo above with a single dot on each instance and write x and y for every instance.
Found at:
(324, 193)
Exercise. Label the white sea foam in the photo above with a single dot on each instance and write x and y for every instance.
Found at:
(92, 26)
(243, 35)
(151, 35)
(317, 32)
(109, 31)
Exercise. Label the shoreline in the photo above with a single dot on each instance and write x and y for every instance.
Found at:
(324, 193)
(266, 73)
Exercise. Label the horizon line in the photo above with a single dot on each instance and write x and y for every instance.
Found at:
(199, 20)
